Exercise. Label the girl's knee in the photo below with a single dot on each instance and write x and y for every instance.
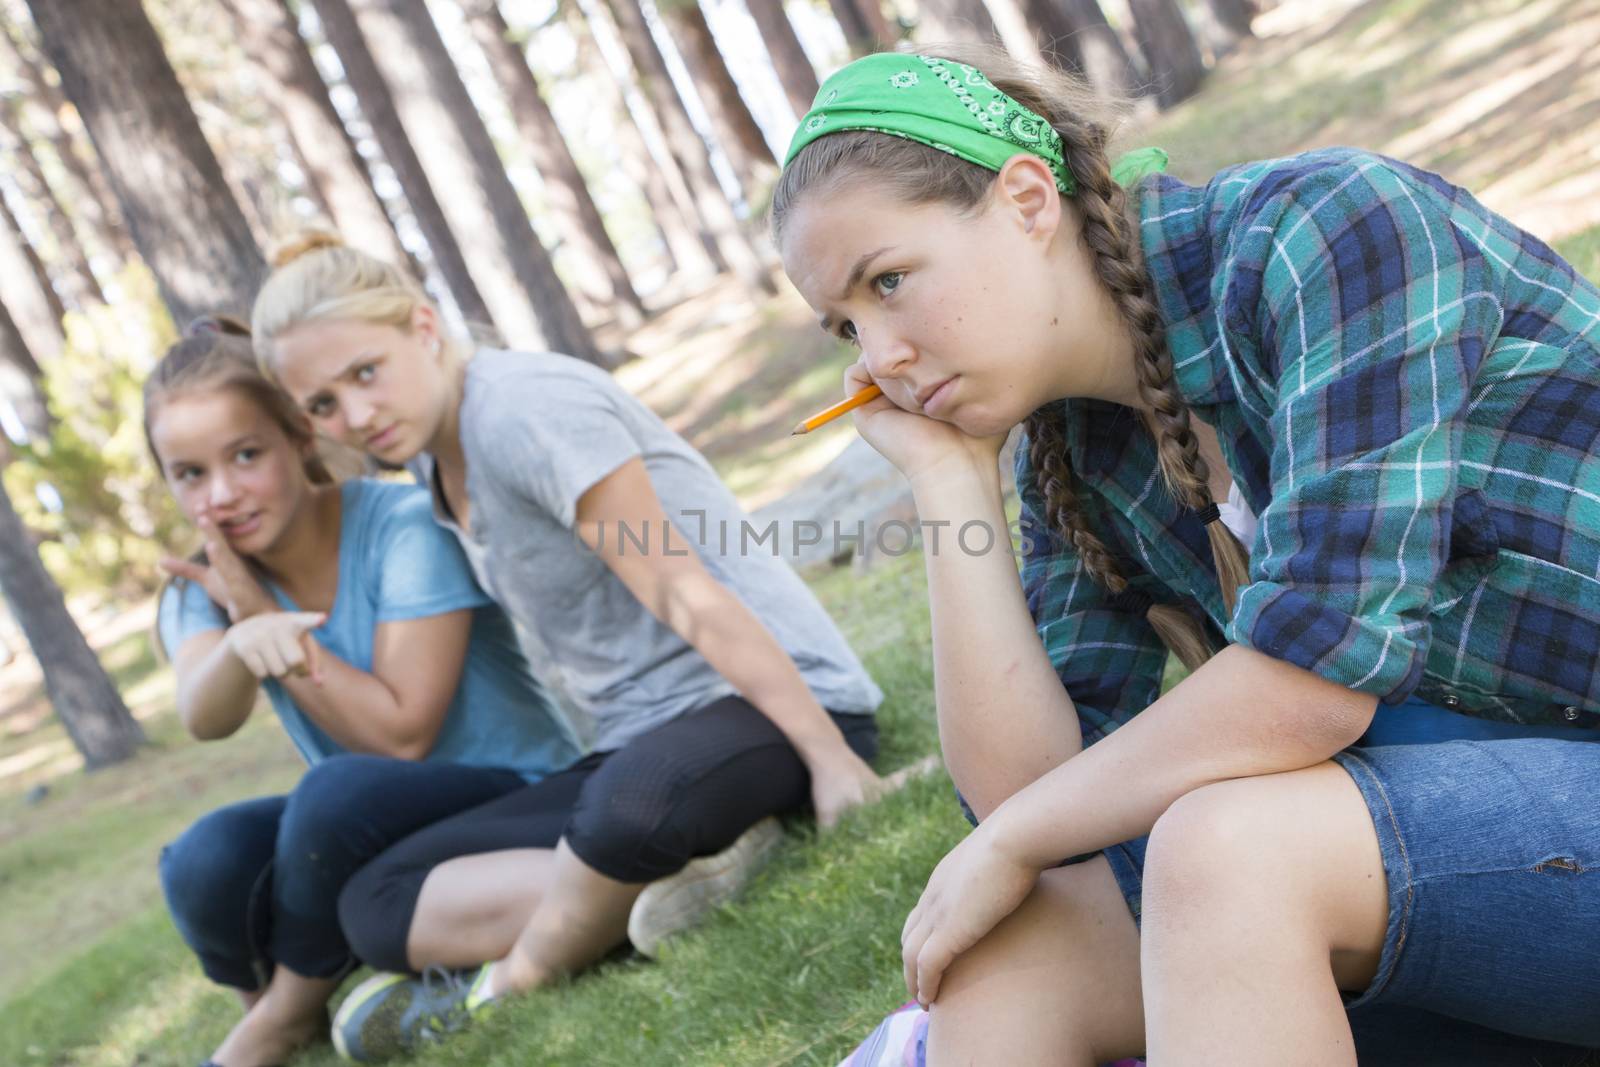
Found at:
(1063, 967)
(1295, 844)
(329, 806)
(213, 866)
(376, 907)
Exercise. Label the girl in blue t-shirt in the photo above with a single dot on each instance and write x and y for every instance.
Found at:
(394, 675)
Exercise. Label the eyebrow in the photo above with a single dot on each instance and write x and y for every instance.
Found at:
(854, 279)
(180, 461)
(360, 357)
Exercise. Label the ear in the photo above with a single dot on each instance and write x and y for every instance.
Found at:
(425, 324)
(1026, 190)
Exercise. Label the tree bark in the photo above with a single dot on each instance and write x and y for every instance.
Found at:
(691, 243)
(564, 184)
(1170, 50)
(512, 269)
(378, 108)
(289, 78)
(683, 141)
(883, 35)
(80, 286)
(681, 243)
(1222, 24)
(1011, 23)
(183, 219)
(1100, 54)
(94, 199)
(736, 128)
(21, 383)
(858, 32)
(39, 309)
(82, 694)
(1055, 32)
(789, 59)
(955, 20)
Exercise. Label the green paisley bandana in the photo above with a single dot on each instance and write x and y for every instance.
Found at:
(949, 106)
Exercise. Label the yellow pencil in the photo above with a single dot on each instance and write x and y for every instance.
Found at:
(843, 407)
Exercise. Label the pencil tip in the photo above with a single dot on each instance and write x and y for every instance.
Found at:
(798, 431)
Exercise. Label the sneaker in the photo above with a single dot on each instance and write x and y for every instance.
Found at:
(679, 900)
(394, 1014)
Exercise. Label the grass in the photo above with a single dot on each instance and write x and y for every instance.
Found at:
(795, 973)
(91, 971)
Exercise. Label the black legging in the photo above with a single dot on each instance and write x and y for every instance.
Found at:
(687, 788)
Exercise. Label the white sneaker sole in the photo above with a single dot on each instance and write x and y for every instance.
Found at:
(679, 901)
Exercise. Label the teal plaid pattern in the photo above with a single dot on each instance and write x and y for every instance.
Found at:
(1407, 389)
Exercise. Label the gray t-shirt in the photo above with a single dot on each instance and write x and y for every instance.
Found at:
(539, 430)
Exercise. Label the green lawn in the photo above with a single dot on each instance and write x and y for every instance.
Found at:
(91, 972)
(795, 973)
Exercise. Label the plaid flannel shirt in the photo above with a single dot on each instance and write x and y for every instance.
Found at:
(1407, 389)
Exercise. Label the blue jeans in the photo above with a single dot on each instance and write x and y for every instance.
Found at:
(257, 883)
(1491, 847)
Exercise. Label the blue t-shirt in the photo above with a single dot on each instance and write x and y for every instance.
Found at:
(395, 563)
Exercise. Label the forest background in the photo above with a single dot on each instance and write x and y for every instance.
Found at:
(588, 175)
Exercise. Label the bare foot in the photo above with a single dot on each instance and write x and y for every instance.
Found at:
(925, 765)
(264, 1038)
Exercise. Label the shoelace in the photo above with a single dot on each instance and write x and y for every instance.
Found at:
(451, 986)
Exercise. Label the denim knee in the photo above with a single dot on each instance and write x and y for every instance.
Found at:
(328, 811)
(216, 879)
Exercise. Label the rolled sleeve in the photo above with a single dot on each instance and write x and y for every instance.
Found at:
(1375, 313)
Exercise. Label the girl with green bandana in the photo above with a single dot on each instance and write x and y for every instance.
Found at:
(1325, 428)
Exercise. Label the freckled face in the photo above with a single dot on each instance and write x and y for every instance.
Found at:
(373, 387)
(926, 293)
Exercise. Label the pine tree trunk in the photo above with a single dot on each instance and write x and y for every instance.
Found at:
(1222, 24)
(682, 245)
(1103, 59)
(736, 128)
(789, 59)
(21, 382)
(1170, 50)
(95, 201)
(687, 149)
(289, 78)
(883, 36)
(83, 696)
(378, 108)
(852, 20)
(955, 20)
(79, 285)
(1011, 23)
(1055, 32)
(512, 269)
(38, 307)
(184, 221)
(564, 184)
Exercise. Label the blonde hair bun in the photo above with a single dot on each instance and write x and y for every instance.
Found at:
(303, 243)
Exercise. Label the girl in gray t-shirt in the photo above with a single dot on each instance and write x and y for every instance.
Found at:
(703, 661)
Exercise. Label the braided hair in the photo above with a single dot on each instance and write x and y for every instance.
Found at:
(1086, 121)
